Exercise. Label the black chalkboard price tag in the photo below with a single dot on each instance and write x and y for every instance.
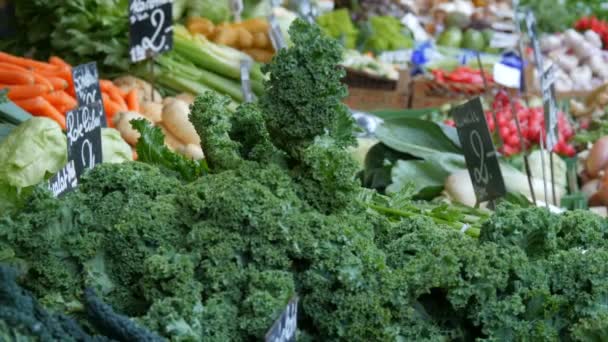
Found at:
(7, 19)
(84, 137)
(479, 152)
(284, 329)
(150, 28)
(64, 180)
(86, 86)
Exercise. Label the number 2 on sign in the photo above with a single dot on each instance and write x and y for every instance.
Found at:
(158, 20)
(480, 173)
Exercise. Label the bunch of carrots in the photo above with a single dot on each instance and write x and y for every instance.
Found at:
(47, 89)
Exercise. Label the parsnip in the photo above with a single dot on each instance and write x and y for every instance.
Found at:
(192, 151)
(152, 111)
(123, 125)
(171, 140)
(175, 119)
(186, 97)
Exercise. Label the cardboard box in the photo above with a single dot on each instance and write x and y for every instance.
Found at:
(367, 92)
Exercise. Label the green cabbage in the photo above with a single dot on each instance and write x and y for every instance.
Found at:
(30, 152)
(115, 149)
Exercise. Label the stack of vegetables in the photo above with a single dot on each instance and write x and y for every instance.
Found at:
(249, 36)
(216, 254)
(580, 61)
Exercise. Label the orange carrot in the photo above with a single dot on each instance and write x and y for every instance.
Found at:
(110, 106)
(15, 77)
(8, 66)
(39, 79)
(38, 106)
(106, 85)
(61, 100)
(133, 100)
(22, 92)
(58, 83)
(59, 62)
(115, 96)
(24, 62)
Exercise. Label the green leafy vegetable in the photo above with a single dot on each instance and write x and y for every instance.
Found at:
(151, 149)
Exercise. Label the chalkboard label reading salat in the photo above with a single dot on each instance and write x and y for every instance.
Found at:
(86, 86)
(284, 329)
(550, 107)
(150, 28)
(84, 137)
(64, 180)
(479, 152)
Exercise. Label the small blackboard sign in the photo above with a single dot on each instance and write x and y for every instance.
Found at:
(84, 137)
(245, 80)
(550, 107)
(150, 28)
(276, 35)
(284, 329)
(7, 19)
(86, 86)
(64, 180)
(479, 151)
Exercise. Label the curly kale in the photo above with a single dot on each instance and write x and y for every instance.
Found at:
(303, 97)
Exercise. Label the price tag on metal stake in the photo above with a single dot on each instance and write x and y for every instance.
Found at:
(64, 181)
(150, 28)
(245, 80)
(275, 34)
(531, 26)
(84, 137)
(7, 19)
(284, 329)
(237, 9)
(550, 107)
(86, 86)
(479, 152)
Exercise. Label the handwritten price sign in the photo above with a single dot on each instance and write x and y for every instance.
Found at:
(150, 28)
(64, 181)
(479, 152)
(86, 85)
(84, 137)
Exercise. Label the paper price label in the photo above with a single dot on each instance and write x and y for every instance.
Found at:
(150, 28)
(550, 107)
(479, 151)
(275, 33)
(84, 137)
(284, 329)
(245, 80)
(64, 181)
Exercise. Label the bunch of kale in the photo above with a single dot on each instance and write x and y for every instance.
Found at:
(280, 214)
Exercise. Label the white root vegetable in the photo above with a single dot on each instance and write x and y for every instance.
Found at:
(144, 89)
(152, 111)
(593, 39)
(576, 41)
(459, 188)
(581, 77)
(123, 125)
(563, 83)
(175, 119)
(566, 62)
(172, 142)
(194, 152)
(598, 66)
(186, 97)
(550, 42)
(578, 109)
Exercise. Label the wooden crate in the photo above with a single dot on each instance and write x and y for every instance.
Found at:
(367, 92)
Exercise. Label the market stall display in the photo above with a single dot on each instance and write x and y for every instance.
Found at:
(241, 193)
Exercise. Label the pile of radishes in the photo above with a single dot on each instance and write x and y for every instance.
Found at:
(532, 124)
